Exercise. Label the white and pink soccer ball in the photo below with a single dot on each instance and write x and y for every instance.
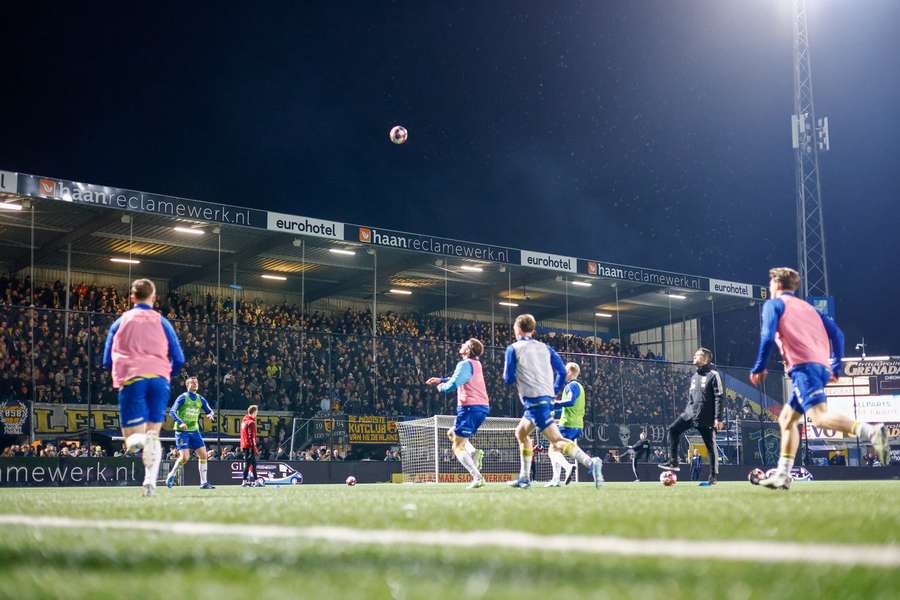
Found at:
(668, 478)
(351, 480)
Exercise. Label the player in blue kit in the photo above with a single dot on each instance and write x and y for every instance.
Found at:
(186, 414)
(538, 372)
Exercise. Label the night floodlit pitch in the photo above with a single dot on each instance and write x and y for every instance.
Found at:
(318, 541)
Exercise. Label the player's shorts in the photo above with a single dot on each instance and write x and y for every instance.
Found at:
(540, 413)
(570, 433)
(469, 419)
(143, 401)
(189, 440)
(808, 383)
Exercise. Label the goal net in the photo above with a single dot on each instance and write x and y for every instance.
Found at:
(427, 456)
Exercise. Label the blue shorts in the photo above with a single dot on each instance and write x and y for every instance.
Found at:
(570, 433)
(808, 383)
(143, 401)
(540, 413)
(469, 419)
(189, 440)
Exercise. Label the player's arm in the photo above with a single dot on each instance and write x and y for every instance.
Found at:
(207, 409)
(569, 395)
(559, 367)
(175, 352)
(509, 366)
(771, 314)
(836, 336)
(173, 412)
(107, 348)
(461, 376)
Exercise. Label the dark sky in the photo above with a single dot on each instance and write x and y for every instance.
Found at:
(652, 133)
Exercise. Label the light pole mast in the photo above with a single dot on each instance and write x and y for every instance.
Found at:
(809, 136)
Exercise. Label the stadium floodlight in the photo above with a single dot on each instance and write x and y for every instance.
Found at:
(342, 251)
(274, 277)
(471, 269)
(401, 292)
(604, 315)
(582, 283)
(127, 261)
(502, 303)
(677, 296)
(10, 206)
(189, 230)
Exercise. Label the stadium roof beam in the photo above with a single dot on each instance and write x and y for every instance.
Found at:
(385, 272)
(264, 244)
(577, 303)
(93, 225)
(530, 277)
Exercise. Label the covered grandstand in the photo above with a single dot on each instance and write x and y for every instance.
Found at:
(304, 316)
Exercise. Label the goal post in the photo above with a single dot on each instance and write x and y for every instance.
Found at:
(427, 456)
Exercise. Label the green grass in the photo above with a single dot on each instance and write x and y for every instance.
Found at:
(78, 563)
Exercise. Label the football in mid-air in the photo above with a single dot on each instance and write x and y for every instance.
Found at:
(668, 478)
(351, 480)
(398, 134)
(756, 475)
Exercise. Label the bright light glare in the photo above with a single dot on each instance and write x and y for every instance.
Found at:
(127, 261)
(189, 230)
(677, 296)
(582, 283)
(471, 269)
(275, 277)
(604, 315)
(402, 292)
(10, 206)
(342, 251)
(507, 303)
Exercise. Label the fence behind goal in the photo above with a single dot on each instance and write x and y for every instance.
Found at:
(427, 456)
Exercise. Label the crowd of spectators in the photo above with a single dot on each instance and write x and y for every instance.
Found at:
(49, 450)
(280, 358)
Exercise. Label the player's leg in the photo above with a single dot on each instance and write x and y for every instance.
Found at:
(202, 457)
(709, 440)
(676, 429)
(248, 458)
(556, 463)
(571, 449)
(526, 452)
(790, 441)
(184, 455)
(157, 397)
(468, 420)
(634, 466)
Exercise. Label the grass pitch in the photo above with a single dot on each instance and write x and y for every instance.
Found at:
(100, 563)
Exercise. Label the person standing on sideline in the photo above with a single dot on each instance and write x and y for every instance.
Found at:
(639, 450)
(249, 444)
(704, 412)
(695, 466)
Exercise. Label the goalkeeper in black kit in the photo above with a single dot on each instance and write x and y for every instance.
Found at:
(642, 450)
(704, 412)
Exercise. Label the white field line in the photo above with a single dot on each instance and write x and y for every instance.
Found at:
(734, 550)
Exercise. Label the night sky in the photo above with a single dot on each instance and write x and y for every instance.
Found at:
(651, 133)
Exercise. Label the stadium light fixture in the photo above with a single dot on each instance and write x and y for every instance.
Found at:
(190, 230)
(513, 304)
(274, 277)
(582, 283)
(10, 206)
(401, 292)
(342, 251)
(471, 269)
(604, 315)
(127, 261)
(677, 296)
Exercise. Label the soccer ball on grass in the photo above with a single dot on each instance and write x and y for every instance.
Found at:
(668, 478)
(351, 480)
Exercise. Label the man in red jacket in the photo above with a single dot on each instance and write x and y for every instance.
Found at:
(248, 443)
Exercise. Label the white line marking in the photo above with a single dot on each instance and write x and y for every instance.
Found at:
(733, 550)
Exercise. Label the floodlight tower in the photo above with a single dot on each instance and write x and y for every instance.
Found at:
(809, 136)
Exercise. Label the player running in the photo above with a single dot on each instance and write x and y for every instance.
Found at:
(186, 414)
(472, 407)
(802, 335)
(143, 352)
(571, 422)
(249, 445)
(531, 365)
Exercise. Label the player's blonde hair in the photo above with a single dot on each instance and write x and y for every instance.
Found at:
(574, 368)
(526, 323)
(787, 278)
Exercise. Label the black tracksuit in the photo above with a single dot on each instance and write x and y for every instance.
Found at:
(705, 406)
